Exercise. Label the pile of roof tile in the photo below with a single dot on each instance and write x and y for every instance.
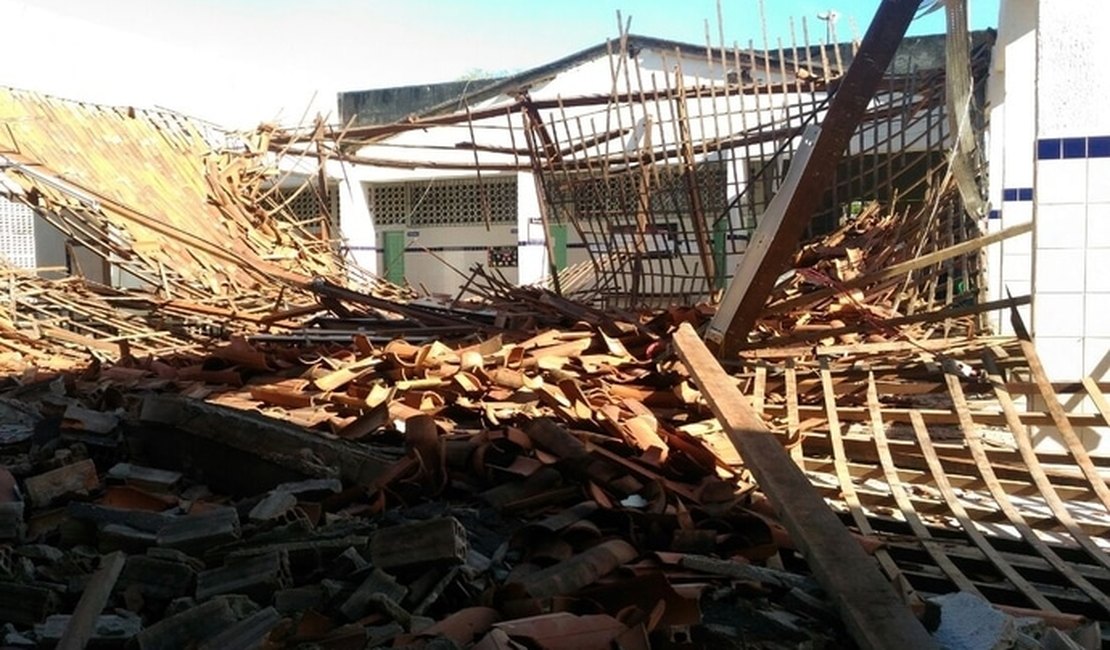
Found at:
(560, 490)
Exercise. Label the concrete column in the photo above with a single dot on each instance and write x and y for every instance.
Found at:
(531, 238)
(356, 221)
(1012, 97)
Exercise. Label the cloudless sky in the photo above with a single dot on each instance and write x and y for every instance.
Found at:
(241, 62)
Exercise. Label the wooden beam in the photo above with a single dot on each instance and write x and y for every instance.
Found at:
(785, 220)
(904, 267)
(872, 611)
(81, 626)
(862, 326)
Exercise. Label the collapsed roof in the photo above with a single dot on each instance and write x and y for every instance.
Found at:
(304, 470)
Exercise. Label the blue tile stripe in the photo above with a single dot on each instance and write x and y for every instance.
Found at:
(1017, 194)
(995, 214)
(1073, 148)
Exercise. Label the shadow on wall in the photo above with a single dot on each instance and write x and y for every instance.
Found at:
(1094, 439)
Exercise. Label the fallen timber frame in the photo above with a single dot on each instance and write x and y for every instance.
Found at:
(785, 220)
(953, 484)
(874, 614)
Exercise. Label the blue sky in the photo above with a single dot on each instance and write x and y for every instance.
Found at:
(239, 62)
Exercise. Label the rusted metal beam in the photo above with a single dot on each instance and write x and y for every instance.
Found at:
(785, 220)
(872, 611)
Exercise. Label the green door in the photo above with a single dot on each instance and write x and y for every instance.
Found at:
(393, 256)
(559, 245)
(720, 258)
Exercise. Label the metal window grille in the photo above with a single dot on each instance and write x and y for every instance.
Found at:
(445, 202)
(17, 234)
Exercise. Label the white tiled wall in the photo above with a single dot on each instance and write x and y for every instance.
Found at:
(1098, 181)
(1061, 181)
(1012, 103)
(1096, 357)
(1071, 255)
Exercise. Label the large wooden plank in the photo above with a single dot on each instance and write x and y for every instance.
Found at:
(872, 611)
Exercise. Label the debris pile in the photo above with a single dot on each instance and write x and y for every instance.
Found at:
(258, 450)
(495, 493)
(544, 488)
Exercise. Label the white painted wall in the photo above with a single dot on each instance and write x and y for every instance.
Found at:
(531, 235)
(424, 153)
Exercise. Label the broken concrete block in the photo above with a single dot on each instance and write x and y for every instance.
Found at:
(256, 577)
(82, 419)
(108, 630)
(305, 557)
(25, 604)
(312, 489)
(11, 507)
(148, 478)
(281, 443)
(197, 532)
(77, 478)
(116, 537)
(969, 622)
(40, 553)
(348, 563)
(381, 635)
(299, 599)
(378, 583)
(157, 578)
(247, 634)
(194, 625)
(272, 506)
(150, 522)
(12, 527)
(435, 541)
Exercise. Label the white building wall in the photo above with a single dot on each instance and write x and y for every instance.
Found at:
(1050, 163)
(533, 262)
(355, 224)
(1072, 266)
(434, 152)
(1012, 102)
